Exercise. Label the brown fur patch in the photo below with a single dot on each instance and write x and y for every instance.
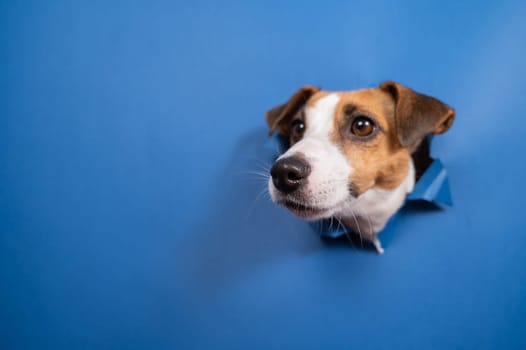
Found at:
(417, 115)
(380, 161)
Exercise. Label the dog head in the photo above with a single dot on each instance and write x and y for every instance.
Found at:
(345, 144)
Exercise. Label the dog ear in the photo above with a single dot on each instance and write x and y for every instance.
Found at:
(278, 116)
(417, 115)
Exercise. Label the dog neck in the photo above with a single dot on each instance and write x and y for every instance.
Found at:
(368, 214)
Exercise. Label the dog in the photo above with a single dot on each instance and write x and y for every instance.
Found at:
(350, 152)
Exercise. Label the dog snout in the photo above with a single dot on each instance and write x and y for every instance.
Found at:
(288, 174)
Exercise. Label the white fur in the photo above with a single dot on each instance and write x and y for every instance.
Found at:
(327, 185)
(369, 213)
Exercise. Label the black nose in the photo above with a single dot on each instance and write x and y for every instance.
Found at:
(289, 173)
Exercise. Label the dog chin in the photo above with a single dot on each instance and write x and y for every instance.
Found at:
(305, 212)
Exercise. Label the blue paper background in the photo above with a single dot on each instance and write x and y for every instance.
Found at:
(128, 218)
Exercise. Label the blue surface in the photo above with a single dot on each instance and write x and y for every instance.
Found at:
(129, 217)
(433, 186)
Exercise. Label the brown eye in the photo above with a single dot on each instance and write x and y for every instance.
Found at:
(297, 128)
(362, 126)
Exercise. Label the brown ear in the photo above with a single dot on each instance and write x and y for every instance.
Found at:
(417, 115)
(278, 116)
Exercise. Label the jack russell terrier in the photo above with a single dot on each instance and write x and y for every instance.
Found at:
(350, 155)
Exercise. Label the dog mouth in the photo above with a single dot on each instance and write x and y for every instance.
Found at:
(304, 211)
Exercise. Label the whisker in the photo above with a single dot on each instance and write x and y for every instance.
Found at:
(261, 162)
(258, 173)
(263, 166)
(250, 172)
(276, 148)
(261, 194)
(253, 175)
(358, 227)
(342, 226)
(319, 227)
(370, 224)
